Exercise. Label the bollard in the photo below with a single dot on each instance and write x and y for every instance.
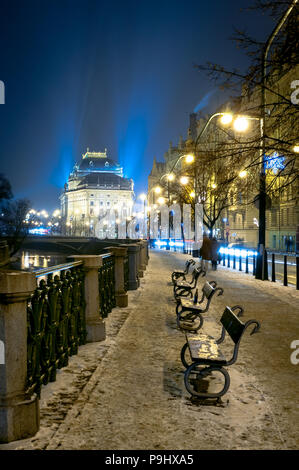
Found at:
(19, 413)
(246, 263)
(273, 268)
(95, 326)
(254, 265)
(133, 265)
(119, 253)
(285, 271)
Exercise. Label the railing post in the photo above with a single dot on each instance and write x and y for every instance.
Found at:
(139, 263)
(246, 263)
(119, 253)
(95, 326)
(133, 265)
(234, 261)
(228, 260)
(142, 255)
(145, 244)
(240, 263)
(19, 413)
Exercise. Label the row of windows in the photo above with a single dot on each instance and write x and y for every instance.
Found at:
(284, 217)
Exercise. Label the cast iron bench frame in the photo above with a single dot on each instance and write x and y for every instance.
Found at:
(184, 288)
(204, 352)
(187, 310)
(177, 274)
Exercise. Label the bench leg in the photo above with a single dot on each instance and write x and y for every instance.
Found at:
(197, 372)
(190, 318)
(185, 356)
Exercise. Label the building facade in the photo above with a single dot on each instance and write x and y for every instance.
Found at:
(97, 199)
(239, 220)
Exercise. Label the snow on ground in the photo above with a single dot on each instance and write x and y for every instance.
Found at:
(127, 392)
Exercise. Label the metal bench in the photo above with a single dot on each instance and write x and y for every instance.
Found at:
(184, 288)
(189, 312)
(207, 359)
(179, 273)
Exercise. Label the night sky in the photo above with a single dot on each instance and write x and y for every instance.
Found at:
(106, 74)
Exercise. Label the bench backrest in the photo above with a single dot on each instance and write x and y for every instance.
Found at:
(232, 324)
(189, 262)
(208, 289)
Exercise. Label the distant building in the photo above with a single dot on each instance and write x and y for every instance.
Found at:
(97, 199)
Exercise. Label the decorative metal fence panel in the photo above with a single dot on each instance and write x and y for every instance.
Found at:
(107, 285)
(56, 322)
(126, 273)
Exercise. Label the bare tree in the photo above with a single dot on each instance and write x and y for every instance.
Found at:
(13, 225)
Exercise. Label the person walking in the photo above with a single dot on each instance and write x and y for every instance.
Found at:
(214, 253)
(205, 252)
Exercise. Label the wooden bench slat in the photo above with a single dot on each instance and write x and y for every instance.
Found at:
(204, 347)
(185, 303)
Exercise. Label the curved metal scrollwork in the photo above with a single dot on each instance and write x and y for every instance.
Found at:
(107, 286)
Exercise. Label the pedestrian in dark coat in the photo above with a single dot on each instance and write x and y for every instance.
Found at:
(205, 252)
(214, 253)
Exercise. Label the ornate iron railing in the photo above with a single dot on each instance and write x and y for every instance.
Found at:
(107, 285)
(56, 322)
(126, 273)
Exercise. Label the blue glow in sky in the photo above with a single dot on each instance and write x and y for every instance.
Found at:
(118, 75)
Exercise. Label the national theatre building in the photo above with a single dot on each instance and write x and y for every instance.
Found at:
(97, 199)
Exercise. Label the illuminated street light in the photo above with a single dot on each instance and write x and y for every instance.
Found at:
(161, 200)
(157, 190)
(296, 148)
(243, 174)
(241, 124)
(192, 194)
(189, 158)
(214, 186)
(184, 180)
(170, 177)
(142, 197)
(226, 118)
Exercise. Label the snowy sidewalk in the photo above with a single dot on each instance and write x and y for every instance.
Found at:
(128, 392)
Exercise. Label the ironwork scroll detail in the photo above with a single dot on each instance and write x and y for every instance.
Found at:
(107, 286)
(56, 325)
